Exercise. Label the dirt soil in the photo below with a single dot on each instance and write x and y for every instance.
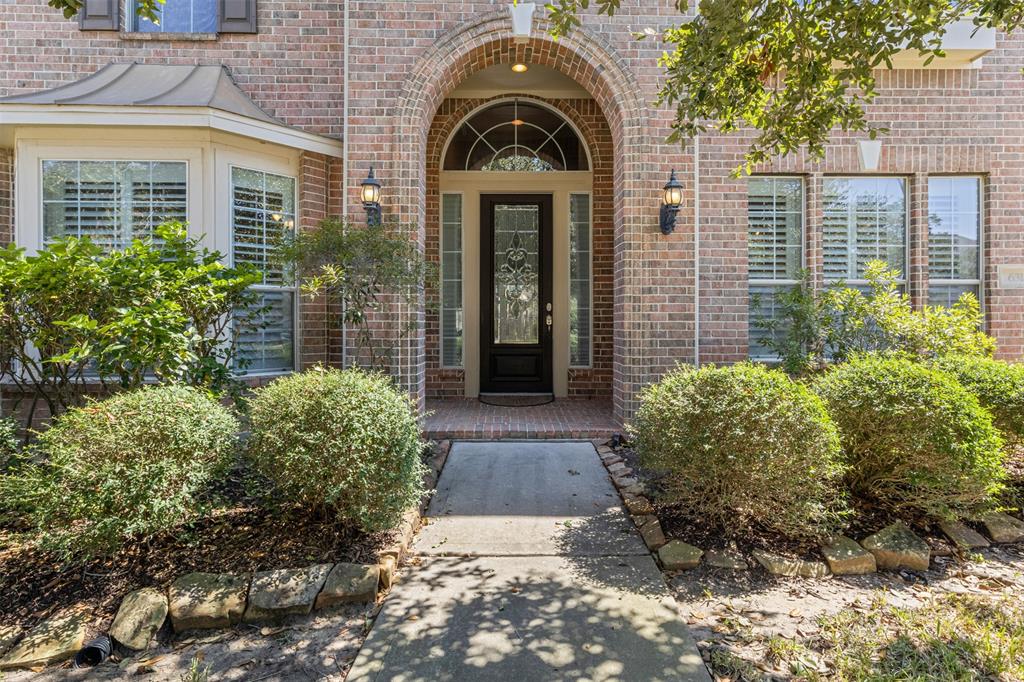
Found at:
(241, 536)
(740, 612)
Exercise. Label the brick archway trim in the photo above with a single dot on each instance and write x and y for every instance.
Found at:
(594, 65)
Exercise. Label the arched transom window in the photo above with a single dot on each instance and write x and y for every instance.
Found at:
(515, 136)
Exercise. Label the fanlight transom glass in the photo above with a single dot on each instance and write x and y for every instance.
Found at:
(515, 136)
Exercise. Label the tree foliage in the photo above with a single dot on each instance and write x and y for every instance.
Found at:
(814, 327)
(363, 271)
(794, 70)
(73, 315)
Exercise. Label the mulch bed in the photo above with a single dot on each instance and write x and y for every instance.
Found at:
(677, 524)
(240, 537)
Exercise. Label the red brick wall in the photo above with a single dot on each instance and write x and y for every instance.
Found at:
(941, 122)
(586, 115)
(292, 68)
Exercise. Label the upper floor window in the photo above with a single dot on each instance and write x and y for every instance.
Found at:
(865, 220)
(954, 238)
(111, 202)
(182, 16)
(516, 136)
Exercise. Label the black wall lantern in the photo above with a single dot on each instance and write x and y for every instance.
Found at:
(671, 202)
(370, 193)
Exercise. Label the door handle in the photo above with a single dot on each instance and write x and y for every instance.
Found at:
(549, 322)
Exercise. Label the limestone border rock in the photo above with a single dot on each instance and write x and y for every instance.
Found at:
(141, 614)
(200, 601)
(845, 557)
(54, 640)
(786, 566)
(285, 592)
(896, 546)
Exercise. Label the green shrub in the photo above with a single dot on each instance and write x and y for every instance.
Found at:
(742, 447)
(343, 442)
(9, 443)
(915, 441)
(128, 466)
(998, 386)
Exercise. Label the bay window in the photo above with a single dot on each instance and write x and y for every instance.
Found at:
(111, 202)
(263, 211)
(954, 238)
(775, 252)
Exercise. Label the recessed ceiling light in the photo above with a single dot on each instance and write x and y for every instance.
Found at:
(520, 68)
(517, 122)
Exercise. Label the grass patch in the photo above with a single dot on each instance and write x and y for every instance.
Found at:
(955, 637)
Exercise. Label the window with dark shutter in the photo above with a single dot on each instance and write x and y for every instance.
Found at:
(99, 15)
(237, 16)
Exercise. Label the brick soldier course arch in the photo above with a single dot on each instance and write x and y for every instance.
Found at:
(591, 63)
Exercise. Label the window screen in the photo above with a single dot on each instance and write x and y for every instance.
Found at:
(182, 16)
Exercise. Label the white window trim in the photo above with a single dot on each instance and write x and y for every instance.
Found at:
(980, 281)
(768, 356)
(28, 179)
(296, 326)
(462, 279)
(904, 269)
(590, 270)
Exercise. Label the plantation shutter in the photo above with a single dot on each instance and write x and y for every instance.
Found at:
(775, 228)
(775, 225)
(99, 15)
(237, 16)
(865, 220)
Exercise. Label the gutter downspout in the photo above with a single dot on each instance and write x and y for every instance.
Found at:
(696, 250)
(344, 167)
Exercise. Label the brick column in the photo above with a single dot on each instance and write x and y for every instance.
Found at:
(917, 239)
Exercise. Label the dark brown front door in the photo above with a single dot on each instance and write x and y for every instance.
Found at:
(515, 296)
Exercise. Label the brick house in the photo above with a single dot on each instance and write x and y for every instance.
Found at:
(531, 170)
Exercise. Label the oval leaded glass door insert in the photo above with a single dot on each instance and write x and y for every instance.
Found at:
(516, 297)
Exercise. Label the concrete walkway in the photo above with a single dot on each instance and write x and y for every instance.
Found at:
(530, 570)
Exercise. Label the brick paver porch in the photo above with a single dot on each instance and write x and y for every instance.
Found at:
(469, 418)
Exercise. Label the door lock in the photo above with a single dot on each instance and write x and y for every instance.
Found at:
(548, 307)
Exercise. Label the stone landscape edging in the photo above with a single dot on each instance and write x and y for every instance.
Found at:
(892, 548)
(212, 601)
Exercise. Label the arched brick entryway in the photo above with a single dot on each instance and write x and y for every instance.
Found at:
(592, 64)
(585, 115)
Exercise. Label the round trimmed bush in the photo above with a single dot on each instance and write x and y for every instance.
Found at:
(915, 441)
(743, 447)
(129, 466)
(346, 442)
(998, 386)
